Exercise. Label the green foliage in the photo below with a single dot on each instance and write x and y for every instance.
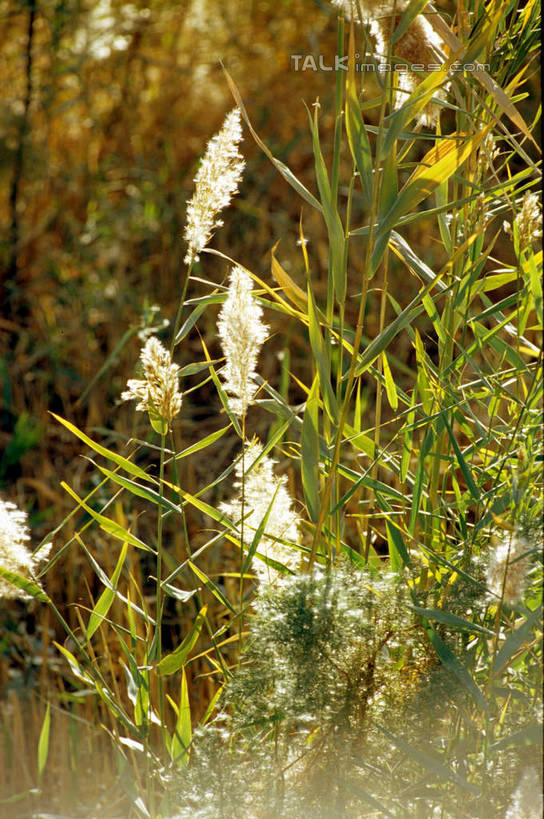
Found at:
(323, 650)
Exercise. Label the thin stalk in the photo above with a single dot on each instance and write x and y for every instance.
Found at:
(338, 111)
(337, 149)
(181, 305)
(158, 626)
(340, 368)
(198, 595)
(350, 382)
(379, 390)
(243, 501)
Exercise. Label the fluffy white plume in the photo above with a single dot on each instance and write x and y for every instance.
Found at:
(216, 182)
(242, 334)
(14, 554)
(264, 493)
(158, 391)
(509, 564)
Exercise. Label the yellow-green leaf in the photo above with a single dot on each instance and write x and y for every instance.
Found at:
(183, 734)
(309, 462)
(177, 659)
(107, 597)
(43, 742)
(215, 590)
(108, 525)
(289, 287)
(390, 387)
(124, 463)
(358, 141)
(438, 165)
(26, 585)
(209, 439)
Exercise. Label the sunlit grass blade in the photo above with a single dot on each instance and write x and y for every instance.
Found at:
(358, 141)
(332, 219)
(182, 737)
(24, 584)
(140, 491)
(287, 174)
(310, 452)
(177, 659)
(106, 524)
(215, 590)
(103, 604)
(438, 165)
(43, 742)
(124, 463)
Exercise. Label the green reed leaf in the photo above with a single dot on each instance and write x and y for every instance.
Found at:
(124, 463)
(177, 659)
(309, 462)
(103, 604)
(106, 524)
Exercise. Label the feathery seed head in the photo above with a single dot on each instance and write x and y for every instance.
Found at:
(528, 221)
(324, 647)
(264, 493)
(242, 334)
(14, 554)
(372, 9)
(419, 45)
(158, 392)
(508, 567)
(487, 153)
(216, 182)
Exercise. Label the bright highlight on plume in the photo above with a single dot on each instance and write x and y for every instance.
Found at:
(14, 554)
(508, 568)
(264, 493)
(158, 392)
(216, 183)
(528, 221)
(242, 334)
(419, 45)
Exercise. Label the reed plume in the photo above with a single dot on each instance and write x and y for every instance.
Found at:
(159, 390)
(14, 554)
(264, 493)
(508, 567)
(216, 183)
(242, 334)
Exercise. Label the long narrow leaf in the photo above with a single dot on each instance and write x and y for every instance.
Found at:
(177, 659)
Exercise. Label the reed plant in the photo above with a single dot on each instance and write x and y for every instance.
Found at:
(360, 589)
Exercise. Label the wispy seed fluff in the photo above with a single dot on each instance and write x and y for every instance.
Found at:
(526, 801)
(509, 564)
(216, 182)
(242, 334)
(158, 391)
(419, 45)
(14, 554)
(528, 221)
(372, 9)
(261, 489)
